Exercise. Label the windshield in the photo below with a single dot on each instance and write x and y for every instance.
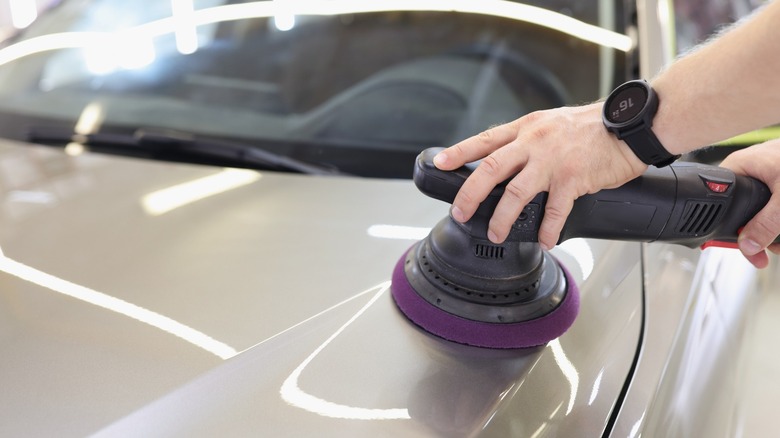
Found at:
(361, 86)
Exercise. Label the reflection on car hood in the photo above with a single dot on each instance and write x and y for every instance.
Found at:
(261, 300)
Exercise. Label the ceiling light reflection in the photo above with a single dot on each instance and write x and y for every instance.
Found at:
(295, 396)
(75, 149)
(568, 370)
(398, 232)
(165, 200)
(284, 22)
(635, 429)
(284, 18)
(90, 119)
(186, 32)
(580, 250)
(31, 197)
(23, 13)
(54, 41)
(117, 305)
(499, 8)
(127, 50)
(544, 427)
(596, 386)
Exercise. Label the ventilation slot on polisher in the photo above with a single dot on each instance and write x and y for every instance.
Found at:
(698, 217)
(489, 251)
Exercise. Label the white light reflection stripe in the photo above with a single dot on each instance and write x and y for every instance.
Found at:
(284, 19)
(568, 370)
(54, 41)
(580, 250)
(498, 8)
(333, 307)
(90, 119)
(596, 385)
(295, 396)
(635, 429)
(117, 305)
(398, 232)
(23, 12)
(186, 34)
(165, 200)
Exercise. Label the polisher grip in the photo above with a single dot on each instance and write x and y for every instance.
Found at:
(685, 203)
(440, 184)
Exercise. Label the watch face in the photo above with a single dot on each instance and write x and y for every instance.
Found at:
(627, 103)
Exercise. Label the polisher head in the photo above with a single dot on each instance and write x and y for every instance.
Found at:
(462, 287)
(494, 329)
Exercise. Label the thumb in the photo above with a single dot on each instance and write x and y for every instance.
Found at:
(762, 230)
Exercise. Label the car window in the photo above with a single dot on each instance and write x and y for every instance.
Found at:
(363, 86)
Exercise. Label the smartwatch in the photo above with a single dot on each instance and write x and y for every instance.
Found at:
(628, 113)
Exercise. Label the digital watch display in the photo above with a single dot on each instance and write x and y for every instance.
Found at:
(627, 104)
(628, 113)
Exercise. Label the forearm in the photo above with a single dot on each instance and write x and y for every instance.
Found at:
(726, 87)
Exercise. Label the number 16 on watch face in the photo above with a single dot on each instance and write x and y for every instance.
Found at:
(627, 104)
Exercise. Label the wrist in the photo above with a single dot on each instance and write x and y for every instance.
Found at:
(625, 162)
(628, 113)
(666, 123)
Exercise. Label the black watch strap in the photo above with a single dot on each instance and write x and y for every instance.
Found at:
(628, 113)
(648, 148)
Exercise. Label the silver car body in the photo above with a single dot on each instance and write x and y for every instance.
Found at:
(144, 298)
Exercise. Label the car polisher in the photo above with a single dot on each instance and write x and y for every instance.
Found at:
(460, 286)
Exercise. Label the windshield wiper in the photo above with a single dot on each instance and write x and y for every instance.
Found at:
(169, 144)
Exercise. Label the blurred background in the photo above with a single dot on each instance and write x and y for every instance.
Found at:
(18, 14)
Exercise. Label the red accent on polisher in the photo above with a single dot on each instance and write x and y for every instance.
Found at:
(454, 328)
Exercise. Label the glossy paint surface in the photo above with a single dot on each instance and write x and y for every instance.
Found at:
(689, 380)
(371, 372)
(265, 305)
(140, 298)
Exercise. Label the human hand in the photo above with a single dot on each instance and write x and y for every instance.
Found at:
(566, 152)
(761, 161)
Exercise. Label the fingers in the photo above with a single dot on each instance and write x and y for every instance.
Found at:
(559, 205)
(564, 151)
(488, 174)
(504, 152)
(494, 169)
(759, 260)
(476, 147)
(761, 162)
(519, 191)
(761, 231)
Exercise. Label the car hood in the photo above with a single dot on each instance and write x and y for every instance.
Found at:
(193, 300)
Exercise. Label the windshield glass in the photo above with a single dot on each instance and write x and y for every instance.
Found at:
(362, 86)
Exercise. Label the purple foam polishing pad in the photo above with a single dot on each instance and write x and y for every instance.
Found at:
(454, 328)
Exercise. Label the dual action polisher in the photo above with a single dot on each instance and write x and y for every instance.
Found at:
(460, 286)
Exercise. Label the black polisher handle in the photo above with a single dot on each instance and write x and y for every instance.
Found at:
(686, 203)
